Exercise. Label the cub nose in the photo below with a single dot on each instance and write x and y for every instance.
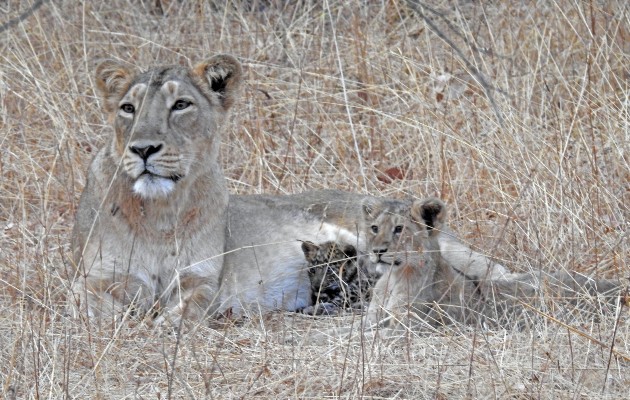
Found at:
(145, 151)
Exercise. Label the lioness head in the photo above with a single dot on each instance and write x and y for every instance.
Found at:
(399, 233)
(167, 119)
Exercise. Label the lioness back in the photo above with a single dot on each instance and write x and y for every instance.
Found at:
(149, 227)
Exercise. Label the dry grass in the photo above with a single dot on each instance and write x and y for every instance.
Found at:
(516, 113)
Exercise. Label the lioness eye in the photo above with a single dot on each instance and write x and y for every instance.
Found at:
(128, 108)
(374, 228)
(398, 229)
(181, 105)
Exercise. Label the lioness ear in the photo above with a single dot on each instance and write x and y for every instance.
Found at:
(112, 79)
(223, 75)
(310, 250)
(431, 212)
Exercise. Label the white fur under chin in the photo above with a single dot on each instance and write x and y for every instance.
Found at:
(153, 187)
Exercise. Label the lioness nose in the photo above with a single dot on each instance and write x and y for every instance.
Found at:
(380, 251)
(145, 151)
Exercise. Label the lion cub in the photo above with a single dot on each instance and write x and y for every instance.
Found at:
(338, 279)
(419, 286)
(403, 242)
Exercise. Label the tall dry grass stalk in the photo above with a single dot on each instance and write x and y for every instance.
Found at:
(515, 113)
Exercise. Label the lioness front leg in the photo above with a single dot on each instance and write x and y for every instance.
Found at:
(115, 297)
(192, 297)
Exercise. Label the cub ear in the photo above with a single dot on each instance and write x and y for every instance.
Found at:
(349, 251)
(112, 79)
(369, 208)
(310, 250)
(431, 212)
(223, 75)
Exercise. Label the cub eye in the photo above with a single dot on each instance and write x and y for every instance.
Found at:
(128, 108)
(398, 229)
(374, 228)
(181, 105)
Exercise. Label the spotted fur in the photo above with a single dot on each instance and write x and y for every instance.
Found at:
(338, 280)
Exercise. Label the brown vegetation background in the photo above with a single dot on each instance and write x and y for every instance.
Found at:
(515, 113)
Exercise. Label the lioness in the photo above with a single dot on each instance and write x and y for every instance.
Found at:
(150, 226)
(418, 282)
(155, 227)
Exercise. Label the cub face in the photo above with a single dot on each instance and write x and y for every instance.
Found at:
(398, 233)
(338, 279)
(416, 277)
(331, 265)
(167, 120)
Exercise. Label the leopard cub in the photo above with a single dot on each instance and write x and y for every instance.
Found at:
(339, 281)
